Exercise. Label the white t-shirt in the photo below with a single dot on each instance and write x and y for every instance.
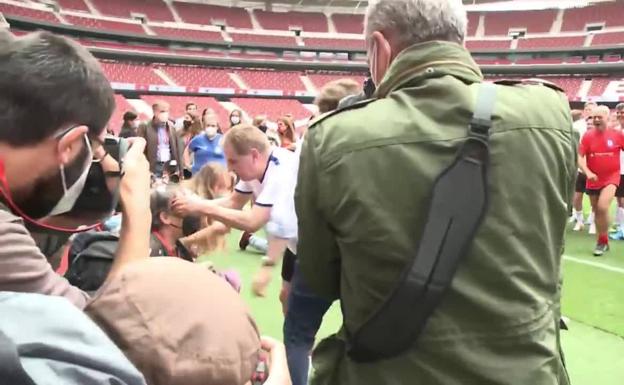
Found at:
(276, 190)
(164, 151)
(580, 126)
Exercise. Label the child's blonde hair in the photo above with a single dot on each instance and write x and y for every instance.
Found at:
(205, 182)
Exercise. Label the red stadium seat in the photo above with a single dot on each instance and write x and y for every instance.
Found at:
(273, 108)
(190, 34)
(609, 13)
(106, 25)
(499, 23)
(74, 5)
(155, 10)
(10, 9)
(488, 44)
(286, 41)
(273, 80)
(307, 21)
(206, 14)
(335, 43)
(612, 38)
(551, 42)
(598, 86)
(319, 80)
(473, 23)
(199, 76)
(348, 23)
(131, 73)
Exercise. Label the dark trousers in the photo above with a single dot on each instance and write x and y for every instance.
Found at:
(303, 320)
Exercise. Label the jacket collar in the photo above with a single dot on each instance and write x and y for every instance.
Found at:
(429, 60)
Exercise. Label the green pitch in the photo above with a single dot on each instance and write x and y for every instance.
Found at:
(593, 300)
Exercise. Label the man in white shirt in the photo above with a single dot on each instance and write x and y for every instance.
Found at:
(268, 175)
(619, 216)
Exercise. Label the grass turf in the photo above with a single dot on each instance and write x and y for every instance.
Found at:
(593, 298)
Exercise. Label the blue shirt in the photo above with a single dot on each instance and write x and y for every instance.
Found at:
(206, 150)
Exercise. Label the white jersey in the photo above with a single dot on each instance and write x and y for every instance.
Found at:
(276, 189)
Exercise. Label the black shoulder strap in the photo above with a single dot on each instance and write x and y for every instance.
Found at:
(11, 369)
(458, 205)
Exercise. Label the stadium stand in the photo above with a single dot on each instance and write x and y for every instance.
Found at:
(307, 21)
(273, 80)
(286, 41)
(551, 42)
(206, 14)
(74, 5)
(105, 25)
(130, 73)
(499, 23)
(199, 76)
(154, 10)
(612, 38)
(599, 86)
(488, 44)
(190, 34)
(273, 108)
(10, 9)
(319, 80)
(473, 23)
(608, 13)
(335, 43)
(348, 23)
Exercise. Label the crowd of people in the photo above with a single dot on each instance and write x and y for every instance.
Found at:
(407, 200)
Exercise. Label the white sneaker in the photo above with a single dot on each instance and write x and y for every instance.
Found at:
(592, 229)
(572, 219)
(579, 226)
(590, 219)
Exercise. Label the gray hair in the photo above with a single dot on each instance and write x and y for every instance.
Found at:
(619, 107)
(417, 21)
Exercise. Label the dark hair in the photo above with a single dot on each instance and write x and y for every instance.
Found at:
(49, 82)
(160, 202)
(189, 104)
(129, 116)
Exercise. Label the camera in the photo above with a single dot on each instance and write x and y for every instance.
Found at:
(100, 196)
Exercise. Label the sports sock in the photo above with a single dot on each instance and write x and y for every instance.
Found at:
(603, 239)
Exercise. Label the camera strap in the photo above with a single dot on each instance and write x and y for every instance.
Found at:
(459, 201)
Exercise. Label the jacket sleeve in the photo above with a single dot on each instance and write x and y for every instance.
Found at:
(23, 268)
(317, 250)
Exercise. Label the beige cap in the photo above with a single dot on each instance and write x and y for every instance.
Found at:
(178, 323)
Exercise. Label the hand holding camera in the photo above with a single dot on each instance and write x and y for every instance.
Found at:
(135, 182)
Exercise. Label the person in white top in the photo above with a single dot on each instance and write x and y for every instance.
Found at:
(268, 175)
(580, 127)
(619, 216)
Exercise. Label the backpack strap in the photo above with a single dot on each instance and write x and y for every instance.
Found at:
(458, 203)
(11, 369)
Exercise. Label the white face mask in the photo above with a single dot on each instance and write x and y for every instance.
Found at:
(211, 131)
(71, 193)
(235, 120)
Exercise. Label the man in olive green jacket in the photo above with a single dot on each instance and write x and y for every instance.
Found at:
(362, 198)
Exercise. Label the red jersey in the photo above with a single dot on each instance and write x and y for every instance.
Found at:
(602, 151)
